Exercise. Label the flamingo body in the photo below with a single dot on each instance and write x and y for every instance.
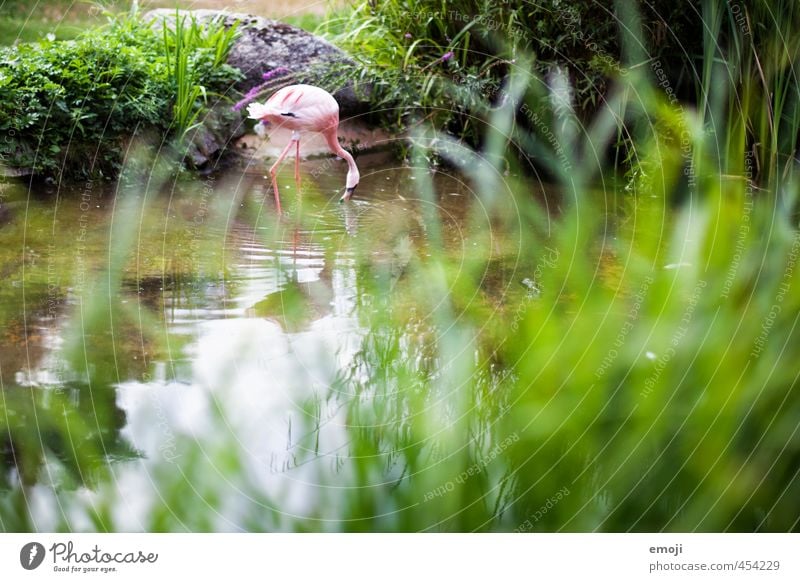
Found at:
(305, 108)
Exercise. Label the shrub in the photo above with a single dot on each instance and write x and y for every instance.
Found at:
(69, 107)
(423, 54)
(445, 61)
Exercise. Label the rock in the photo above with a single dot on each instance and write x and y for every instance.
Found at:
(216, 134)
(264, 45)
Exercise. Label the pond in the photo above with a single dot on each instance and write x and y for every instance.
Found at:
(180, 345)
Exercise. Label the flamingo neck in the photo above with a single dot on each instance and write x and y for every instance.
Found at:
(352, 170)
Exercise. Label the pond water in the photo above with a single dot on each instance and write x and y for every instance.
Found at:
(202, 349)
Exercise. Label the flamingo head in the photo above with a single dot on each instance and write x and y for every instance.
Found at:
(348, 192)
(351, 183)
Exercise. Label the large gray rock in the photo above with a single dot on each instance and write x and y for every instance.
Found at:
(265, 45)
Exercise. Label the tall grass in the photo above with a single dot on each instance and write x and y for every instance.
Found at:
(442, 61)
(182, 42)
(762, 55)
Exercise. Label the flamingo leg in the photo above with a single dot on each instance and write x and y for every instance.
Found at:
(297, 165)
(273, 172)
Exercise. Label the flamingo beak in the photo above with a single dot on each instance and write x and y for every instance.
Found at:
(348, 192)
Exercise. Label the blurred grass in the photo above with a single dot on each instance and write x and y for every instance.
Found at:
(31, 22)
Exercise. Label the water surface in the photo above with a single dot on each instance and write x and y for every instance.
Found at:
(203, 347)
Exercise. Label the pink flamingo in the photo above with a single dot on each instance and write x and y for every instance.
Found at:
(305, 108)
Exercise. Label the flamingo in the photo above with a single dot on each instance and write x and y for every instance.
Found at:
(304, 108)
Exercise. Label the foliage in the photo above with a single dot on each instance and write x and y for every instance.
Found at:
(30, 22)
(762, 54)
(425, 56)
(186, 47)
(442, 61)
(746, 92)
(69, 107)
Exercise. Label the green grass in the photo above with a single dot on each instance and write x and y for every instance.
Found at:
(66, 19)
(14, 30)
(308, 22)
(400, 47)
(181, 46)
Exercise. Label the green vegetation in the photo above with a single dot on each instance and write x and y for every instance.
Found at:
(185, 47)
(443, 61)
(22, 21)
(71, 107)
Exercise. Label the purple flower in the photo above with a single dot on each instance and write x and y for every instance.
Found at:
(277, 71)
(407, 35)
(255, 91)
(446, 56)
(251, 94)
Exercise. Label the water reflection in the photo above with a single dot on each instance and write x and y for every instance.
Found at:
(229, 325)
(76, 425)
